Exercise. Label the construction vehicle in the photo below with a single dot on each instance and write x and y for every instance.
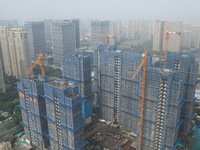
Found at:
(143, 65)
(40, 60)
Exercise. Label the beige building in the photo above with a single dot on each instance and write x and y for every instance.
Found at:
(15, 51)
(174, 38)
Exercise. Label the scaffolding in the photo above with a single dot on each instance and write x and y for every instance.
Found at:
(64, 114)
(187, 67)
(32, 106)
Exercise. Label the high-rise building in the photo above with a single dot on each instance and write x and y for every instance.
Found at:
(140, 29)
(162, 108)
(2, 84)
(36, 38)
(188, 69)
(10, 23)
(169, 95)
(77, 67)
(48, 36)
(33, 110)
(99, 29)
(185, 39)
(64, 115)
(97, 66)
(115, 30)
(195, 37)
(175, 29)
(133, 29)
(64, 39)
(158, 35)
(15, 51)
(186, 35)
(77, 31)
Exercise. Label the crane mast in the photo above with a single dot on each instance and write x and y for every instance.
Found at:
(143, 65)
(39, 60)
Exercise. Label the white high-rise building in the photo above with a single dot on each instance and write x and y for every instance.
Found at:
(158, 35)
(175, 29)
(15, 51)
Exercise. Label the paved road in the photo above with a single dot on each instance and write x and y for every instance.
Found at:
(6, 134)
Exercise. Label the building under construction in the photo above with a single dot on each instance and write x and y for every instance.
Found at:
(77, 67)
(188, 70)
(33, 109)
(64, 115)
(166, 111)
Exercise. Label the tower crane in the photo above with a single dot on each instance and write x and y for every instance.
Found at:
(40, 60)
(108, 36)
(167, 32)
(143, 65)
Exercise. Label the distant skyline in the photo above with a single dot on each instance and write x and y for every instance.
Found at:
(179, 10)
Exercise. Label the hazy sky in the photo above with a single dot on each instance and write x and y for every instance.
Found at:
(182, 10)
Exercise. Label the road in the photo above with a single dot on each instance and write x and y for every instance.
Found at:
(7, 134)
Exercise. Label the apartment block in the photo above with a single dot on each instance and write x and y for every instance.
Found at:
(174, 29)
(15, 51)
(77, 67)
(139, 30)
(33, 110)
(158, 35)
(195, 37)
(64, 115)
(187, 67)
(169, 94)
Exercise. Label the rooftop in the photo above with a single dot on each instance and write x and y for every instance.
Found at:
(61, 83)
(35, 78)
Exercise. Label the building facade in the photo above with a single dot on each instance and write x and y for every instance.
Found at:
(158, 35)
(64, 115)
(64, 39)
(115, 31)
(174, 29)
(15, 51)
(77, 67)
(195, 37)
(169, 95)
(188, 71)
(33, 110)
(139, 30)
(2, 84)
(36, 38)
(99, 29)
(77, 31)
